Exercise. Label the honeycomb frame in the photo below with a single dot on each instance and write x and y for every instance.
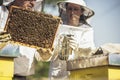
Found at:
(30, 28)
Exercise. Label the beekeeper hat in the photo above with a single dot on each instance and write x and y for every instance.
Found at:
(87, 11)
(38, 6)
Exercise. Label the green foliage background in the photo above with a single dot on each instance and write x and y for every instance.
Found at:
(41, 71)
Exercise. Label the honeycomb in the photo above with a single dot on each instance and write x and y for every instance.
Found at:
(30, 28)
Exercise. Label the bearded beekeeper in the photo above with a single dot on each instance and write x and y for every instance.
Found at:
(24, 63)
(74, 38)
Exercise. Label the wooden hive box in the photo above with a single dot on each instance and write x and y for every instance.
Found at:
(99, 67)
(6, 68)
(30, 28)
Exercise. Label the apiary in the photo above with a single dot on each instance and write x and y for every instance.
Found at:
(100, 67)
(30, 28)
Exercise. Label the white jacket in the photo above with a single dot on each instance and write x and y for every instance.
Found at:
(85, 40)
(23, 64)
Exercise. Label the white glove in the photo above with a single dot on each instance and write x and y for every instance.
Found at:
(68, 43)
(72, 42)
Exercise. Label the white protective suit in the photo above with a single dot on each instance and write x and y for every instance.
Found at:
(24, 63)
(84, 36)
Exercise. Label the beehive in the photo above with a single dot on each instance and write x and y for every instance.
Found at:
(97, 67)
(6, 68)
(32, 28)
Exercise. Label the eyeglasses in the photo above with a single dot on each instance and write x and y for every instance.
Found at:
(72, 9)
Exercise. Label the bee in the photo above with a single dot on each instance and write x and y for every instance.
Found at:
(32, 28)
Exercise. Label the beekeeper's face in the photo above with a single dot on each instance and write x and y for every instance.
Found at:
(73, 13)
(28, 4)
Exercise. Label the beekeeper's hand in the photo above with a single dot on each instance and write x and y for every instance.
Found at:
(4, 36)
(72, 41)
(44, 54)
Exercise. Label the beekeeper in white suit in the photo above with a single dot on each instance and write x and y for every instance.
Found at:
(74, 38)
(24, 63)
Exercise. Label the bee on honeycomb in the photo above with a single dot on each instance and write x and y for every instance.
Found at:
(32, 28)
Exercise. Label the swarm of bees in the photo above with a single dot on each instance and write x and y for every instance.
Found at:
(32, 28)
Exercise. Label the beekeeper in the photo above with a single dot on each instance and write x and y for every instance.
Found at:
(74, 38)
(24, 63)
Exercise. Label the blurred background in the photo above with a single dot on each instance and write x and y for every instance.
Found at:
(106, 20)
(106, 24)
